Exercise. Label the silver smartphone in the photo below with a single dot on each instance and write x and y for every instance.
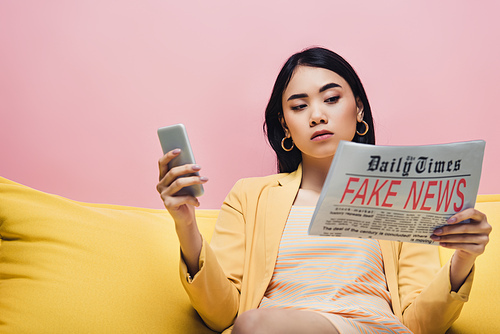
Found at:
(175, 136)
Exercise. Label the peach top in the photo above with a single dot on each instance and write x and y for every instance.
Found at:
(342, 278)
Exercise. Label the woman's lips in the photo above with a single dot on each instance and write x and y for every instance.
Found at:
(321, 135)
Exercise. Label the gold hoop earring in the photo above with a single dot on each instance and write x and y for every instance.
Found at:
(283, 145)
(366, 129)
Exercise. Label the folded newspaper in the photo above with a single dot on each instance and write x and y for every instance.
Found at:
(397, 193)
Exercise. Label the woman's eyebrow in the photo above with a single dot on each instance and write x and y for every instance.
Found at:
(297, 96)
(322, 89)
(328, 86)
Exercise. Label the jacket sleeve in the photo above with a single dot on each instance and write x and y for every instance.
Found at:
(428, 304)
(215, 289)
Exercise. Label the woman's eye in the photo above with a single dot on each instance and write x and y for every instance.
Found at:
(299, 107)
(332, 99)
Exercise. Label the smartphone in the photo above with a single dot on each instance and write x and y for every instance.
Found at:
(175, 136)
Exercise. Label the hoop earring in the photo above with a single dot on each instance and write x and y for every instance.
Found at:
(366, 129)
(283, 145)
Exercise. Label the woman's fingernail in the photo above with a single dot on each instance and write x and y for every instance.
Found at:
(438, 231)
(451, 220)
(435, 237)
(176, 151)
(196, 167)
(203, 178)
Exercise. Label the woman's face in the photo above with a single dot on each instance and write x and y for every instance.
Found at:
(319, 110)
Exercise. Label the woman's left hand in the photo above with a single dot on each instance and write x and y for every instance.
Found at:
(469, 240)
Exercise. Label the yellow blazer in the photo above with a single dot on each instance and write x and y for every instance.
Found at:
(237, 266)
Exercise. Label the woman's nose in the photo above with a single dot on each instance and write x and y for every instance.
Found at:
(317, 117)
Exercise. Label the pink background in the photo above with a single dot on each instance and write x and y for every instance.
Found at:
(85, 84)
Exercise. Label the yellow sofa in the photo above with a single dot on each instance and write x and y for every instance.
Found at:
(73, 267)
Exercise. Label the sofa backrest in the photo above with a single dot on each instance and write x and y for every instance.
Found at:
(71, 267)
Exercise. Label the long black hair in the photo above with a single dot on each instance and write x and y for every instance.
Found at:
(314, 57)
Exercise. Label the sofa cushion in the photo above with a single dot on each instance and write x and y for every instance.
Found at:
(72, 267)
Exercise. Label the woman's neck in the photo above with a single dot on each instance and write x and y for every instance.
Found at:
(314, 172)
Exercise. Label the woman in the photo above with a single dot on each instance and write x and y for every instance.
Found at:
(262, 272)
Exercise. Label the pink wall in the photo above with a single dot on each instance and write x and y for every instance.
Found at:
(85, 84)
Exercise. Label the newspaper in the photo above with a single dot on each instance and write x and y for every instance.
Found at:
(397, 193)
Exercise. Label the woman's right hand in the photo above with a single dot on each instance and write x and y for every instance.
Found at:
(182, 207)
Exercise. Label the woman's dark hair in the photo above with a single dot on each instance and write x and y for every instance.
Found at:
(314, 57)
